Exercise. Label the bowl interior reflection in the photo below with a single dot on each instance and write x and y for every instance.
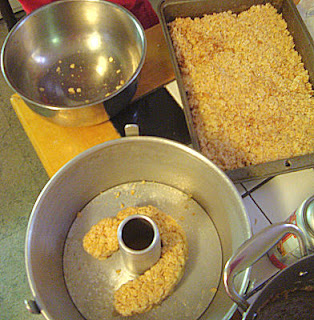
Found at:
(74, 53)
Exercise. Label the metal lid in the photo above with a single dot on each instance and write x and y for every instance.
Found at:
(308, 215)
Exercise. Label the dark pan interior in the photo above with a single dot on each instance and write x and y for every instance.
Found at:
(289, 295)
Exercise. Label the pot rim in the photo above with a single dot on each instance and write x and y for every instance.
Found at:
(253, 250)
(146, 139)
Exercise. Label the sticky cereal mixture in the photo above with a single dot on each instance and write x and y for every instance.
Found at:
(250, 97)
(151, 288)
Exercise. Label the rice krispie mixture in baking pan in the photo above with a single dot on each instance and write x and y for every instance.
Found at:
(249, 94)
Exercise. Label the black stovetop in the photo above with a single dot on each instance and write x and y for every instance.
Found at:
(156, 114)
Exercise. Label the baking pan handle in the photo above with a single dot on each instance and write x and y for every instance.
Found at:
(254, 249)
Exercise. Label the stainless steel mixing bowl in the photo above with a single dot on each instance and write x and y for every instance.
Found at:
(75, 62)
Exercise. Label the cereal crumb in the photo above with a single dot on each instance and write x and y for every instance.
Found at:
(72, 65)
(71, 90)
(110, 59)
(213, 290)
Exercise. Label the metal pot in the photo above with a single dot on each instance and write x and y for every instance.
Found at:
(273, 293)
(114, 163)
(75, 62)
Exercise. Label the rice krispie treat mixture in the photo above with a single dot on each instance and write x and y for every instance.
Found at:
(250, 96)
(158, 282)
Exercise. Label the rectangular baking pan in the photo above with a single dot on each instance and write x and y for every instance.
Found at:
(168, 10)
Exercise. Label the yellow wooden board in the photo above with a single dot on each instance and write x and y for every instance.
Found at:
(56, 145)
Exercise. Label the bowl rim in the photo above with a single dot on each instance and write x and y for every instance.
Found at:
(54, 107)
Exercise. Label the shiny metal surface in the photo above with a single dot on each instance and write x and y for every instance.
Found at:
(131, 130)
(98, 279)
(124, 161)
(287, 251)
(252, 250)
(170, 9)
(308, 217)
(31, 306)
(75, 62)
(138, 260)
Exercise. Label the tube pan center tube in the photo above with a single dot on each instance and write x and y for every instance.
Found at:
(139, 243)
